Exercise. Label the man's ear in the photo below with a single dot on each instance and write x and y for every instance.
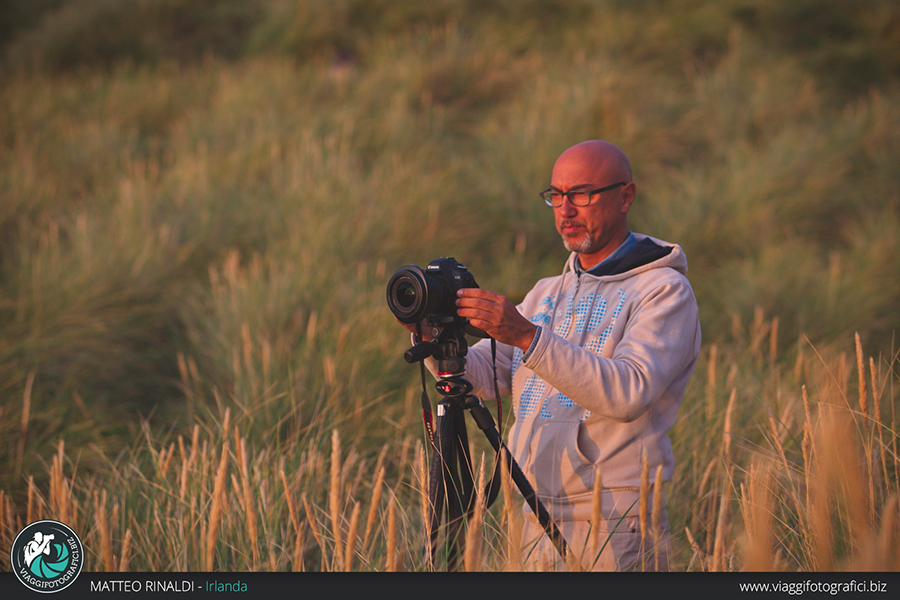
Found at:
(628, 196)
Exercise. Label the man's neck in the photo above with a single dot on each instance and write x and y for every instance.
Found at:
(589, 261)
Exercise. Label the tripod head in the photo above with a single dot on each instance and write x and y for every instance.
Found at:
(449, 347)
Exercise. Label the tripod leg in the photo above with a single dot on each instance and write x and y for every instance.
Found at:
(460, 492)
(466, 466)
(485, 422)
(446, 486)
(455, 542)
(436, 494)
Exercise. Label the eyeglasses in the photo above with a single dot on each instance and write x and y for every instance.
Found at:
(554, 198)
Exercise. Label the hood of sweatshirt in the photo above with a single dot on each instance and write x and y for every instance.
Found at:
(647, 253)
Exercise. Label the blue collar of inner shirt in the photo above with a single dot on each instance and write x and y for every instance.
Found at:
(623, 249)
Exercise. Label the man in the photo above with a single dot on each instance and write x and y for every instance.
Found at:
(39, 545)
(597, 361)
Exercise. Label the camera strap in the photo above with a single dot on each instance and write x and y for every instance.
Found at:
(426, 403)
(493, 486)
(496, 386)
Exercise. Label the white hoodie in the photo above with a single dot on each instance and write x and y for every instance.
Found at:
(602, 382)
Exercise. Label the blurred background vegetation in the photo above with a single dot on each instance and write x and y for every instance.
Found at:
(201, 201)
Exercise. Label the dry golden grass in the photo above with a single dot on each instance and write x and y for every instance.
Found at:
(810, 485)
(392, 563)
(656, 513)
(473, 560)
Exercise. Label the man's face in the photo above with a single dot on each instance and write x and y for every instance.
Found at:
(596, 229)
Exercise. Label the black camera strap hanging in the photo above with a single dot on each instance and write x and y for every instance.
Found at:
(493, 486)
(427, 417)
(496, 385)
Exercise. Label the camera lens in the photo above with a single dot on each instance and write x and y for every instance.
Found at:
(406, 294)
(409, 294)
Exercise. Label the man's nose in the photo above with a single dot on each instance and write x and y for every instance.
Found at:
(567, 209)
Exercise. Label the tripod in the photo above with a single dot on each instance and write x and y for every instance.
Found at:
(451, 483)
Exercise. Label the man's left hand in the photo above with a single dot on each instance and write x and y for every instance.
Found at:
(496, 315)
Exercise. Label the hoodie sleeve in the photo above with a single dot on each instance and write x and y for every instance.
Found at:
(661, 340)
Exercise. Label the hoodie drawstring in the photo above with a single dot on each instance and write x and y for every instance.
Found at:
(562, 280)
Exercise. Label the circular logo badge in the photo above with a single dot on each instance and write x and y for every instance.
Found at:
(47, 556)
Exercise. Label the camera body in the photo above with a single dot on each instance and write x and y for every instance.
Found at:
(414, 294)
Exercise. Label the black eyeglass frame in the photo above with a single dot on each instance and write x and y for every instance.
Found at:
(569, 194)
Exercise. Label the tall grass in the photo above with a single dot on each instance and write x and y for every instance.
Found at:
(195, 239)
(802, 480)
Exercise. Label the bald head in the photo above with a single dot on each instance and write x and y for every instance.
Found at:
(601, 158)
(593, 230)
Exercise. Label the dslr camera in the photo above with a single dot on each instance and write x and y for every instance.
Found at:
(415, 294)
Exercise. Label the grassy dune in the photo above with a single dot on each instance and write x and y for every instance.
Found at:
(201, 204)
